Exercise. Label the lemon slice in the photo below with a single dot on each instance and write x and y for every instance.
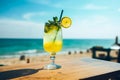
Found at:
(66, 22)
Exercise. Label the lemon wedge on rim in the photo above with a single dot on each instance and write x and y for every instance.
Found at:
(66, 22)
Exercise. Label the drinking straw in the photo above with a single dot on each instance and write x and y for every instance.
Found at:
(59, 22)
(61, 15)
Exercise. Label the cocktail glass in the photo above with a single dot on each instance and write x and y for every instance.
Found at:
(52, 42)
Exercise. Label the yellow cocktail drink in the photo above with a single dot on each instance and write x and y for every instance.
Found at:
(53, 47)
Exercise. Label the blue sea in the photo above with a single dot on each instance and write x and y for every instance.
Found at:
(17, 47)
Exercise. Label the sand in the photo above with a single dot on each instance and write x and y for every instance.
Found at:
(42, 58)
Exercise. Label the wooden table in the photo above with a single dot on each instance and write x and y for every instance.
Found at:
(77, 69)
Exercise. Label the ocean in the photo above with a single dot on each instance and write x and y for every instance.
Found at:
(31, 47)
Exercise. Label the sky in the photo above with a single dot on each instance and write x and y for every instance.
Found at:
(90, 18)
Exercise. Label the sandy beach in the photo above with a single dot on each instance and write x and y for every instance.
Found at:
(43, 58)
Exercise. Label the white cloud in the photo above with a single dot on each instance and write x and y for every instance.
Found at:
(33, 14)
(96, 26)
(94, 21)
(20, 29)
(94, 7)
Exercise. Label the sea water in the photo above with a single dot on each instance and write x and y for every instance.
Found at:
(17, 47)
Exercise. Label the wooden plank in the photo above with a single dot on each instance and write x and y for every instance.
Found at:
(77, 69)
